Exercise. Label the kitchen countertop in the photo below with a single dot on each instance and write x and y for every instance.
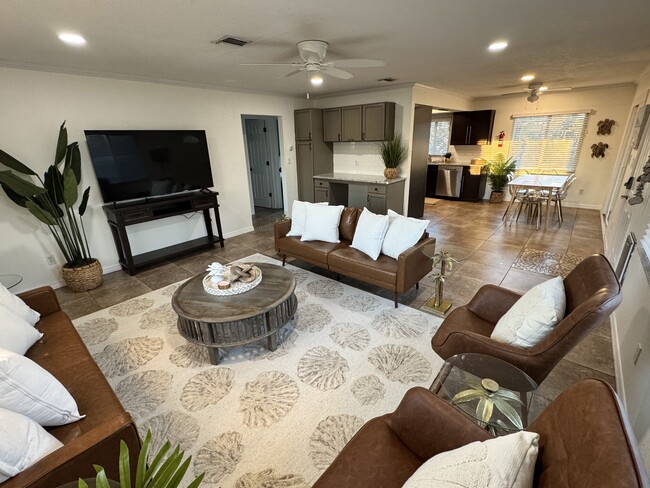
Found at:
(356, 178)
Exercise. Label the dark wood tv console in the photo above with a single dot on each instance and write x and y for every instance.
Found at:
(121, 215)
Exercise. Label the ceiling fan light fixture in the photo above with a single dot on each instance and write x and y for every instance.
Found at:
(316, 80)
(533, 97)
(72, 39)
(528, 78)
(543, 88)
(497, 46)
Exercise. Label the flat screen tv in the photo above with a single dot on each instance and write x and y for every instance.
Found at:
(135, 164)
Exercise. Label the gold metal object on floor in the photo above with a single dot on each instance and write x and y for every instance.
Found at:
(437, 304)
(440, 310)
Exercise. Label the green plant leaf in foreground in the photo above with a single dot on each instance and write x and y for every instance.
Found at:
(61, 144)
(70, 194)
(20, 186)
(14, 197)
(10, 162)
(40, 213)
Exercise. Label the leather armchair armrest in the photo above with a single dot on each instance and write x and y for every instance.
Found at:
(428, 425)
(281, 229)
(42, 299)
(412, 265)
(491, 302)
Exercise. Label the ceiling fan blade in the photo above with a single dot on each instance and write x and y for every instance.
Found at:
(289, 74)
(269, 64)
(358, 63)
(338, 73)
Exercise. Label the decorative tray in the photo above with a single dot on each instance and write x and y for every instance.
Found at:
(236, 287)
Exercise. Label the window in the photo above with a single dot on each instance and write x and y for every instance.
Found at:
(439, 136)
(548, 142)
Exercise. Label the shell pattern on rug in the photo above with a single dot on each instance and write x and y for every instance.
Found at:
(125, 356)
(312, 318)
(190, 355)
(267, 399)
(300, 276)
(179, 428)
(359, 303)
(322, 368)
(400, 363)
(162, 316)
(207, 388)
(142, 393)
(331, 435)
(325, 289)
(97, 330)
(368, 389)
(219, 456)
(399, 323)
(131, 307)
(269, 479)
(352, 336)
(258, 351)
(171, 289)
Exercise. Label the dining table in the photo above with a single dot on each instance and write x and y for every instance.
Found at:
(550, 184)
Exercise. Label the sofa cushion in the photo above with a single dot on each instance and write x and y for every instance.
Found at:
(348, 223)
(403, 233)
(371, 229)
(502, 462)
(16, 334)
(22, 443)
(17, 306)
(322, 223)
(354, 262)
(298, 217)
(315, 251)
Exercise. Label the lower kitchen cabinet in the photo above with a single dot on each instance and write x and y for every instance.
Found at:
(321, 191)
(473, 186)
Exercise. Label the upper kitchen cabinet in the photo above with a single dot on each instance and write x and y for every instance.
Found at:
(351, 123)
(332, 124)
(303, 124)
(470, 128)
(378, 121)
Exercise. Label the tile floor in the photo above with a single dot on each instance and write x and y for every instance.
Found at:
(471, 231)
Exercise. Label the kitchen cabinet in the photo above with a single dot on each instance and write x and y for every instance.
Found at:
(332, 124)
(378, 121)
(473, 186)
(373, 192)
(313, 155)
(377, 199)
(351, 123)
(471, 128)
(321, 191)
(432, 177)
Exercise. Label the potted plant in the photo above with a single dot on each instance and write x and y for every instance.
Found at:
(392, 153)
(52, 201)
(447, 157)
(499, 169)
(165, 470)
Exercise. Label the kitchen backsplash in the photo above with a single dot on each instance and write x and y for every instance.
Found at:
(357, 158)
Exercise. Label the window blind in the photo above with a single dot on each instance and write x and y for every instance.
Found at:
(548, 142)
(439, 137)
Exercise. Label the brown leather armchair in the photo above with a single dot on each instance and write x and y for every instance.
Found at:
(592, 293)
(585, 442)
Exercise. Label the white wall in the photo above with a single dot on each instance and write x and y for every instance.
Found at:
(35, 103)
(593, 174)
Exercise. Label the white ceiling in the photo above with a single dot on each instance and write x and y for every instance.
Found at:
(440, 43)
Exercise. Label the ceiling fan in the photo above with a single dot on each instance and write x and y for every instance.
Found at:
(535, 89)
(312, 53)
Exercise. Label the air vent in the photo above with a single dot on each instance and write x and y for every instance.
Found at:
(387, 80)
(234, 41)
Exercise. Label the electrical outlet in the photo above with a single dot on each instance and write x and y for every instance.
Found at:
(581, 191)
(356, 163)
(50, 260)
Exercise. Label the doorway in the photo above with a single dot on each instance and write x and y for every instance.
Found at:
(262, 147)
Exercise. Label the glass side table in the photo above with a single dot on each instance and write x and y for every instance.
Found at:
(437, 304)
(10, 280)
(493, 393)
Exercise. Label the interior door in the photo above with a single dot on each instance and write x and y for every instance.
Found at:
(259, 161)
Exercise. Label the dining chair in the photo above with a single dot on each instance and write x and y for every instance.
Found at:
(560, 195)
(514, 196)
(532, 202)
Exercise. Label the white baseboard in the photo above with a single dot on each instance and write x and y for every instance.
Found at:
(237, 232)
(618, 365)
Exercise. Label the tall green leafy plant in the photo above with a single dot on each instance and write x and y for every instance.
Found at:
(499, 169)
(164, 471)
(393, 152)
(51, 200)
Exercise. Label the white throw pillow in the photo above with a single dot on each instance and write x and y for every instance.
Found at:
(502, 462)
(298, 216)
(370, 232)
(22, 443)
(16, 334)
(533, 316)
(30, 390)
(403, 232)
(322, 222)
(17, 306)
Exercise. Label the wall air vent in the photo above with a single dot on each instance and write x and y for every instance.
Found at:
(234, 41)
(387, 80)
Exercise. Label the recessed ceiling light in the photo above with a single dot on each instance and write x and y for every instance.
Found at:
(528, 78)
(543, 88)
(72, 39)
(497, 46)
(316, 80)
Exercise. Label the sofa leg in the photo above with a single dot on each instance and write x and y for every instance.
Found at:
(395, 299)
(417, 285)
(284, 259)
(338, 276)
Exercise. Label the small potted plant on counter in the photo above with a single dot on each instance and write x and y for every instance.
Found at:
(392, 154)
(52, 201)
(499, 169)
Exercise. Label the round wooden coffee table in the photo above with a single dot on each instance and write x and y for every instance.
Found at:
(229, 321)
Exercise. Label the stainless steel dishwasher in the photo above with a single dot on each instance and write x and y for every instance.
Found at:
(449, 181)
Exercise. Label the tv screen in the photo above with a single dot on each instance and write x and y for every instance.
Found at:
(132, 164)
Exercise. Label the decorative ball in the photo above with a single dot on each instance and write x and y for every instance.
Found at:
(223, 285)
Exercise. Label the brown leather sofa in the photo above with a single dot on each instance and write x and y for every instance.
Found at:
(585, 442)
(397, 275)
(592, 292)
(95, 439)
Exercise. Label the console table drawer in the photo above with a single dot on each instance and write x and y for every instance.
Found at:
(136, 214)
(203, 202)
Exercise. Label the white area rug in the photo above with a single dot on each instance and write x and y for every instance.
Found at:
(261, 418)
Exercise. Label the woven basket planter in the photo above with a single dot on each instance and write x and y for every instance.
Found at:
(391, 173)
(496, 197)
(83, 278)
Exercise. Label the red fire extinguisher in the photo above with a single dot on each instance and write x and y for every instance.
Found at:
(502, 136)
